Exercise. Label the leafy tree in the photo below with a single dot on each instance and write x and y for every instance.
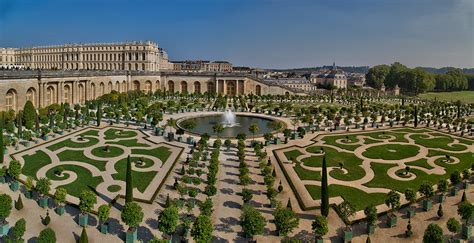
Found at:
(442, 186)
(393, 200)
(168, 220)
(129, 182)
(60, 196)
(346, 210)
(252, 221)
(440, 212)
(206, 207)
(426, 190)
(253, 128)
(433, 233)
(87, 200)
(19, 230)
(47, 236)
(453, 226)
(29, 115)
(43, 186)
(132, 214)
(103, 213)
(84, 238)
(466, 211)
(455, 177)
(285, 220)
(5, 207)
(246, 195)
(202, 229)
(2, 144)
(324, 190)
(376, 76)
(410, 195)
(218, 129)
(371, 214)
(320, 226)
(14, 169)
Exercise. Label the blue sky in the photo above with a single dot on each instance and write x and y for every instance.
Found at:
(259, 33)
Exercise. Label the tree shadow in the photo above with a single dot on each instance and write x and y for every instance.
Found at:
(152, 222)
(231, 204)
(144, 234)
(115, 228)
(228, 191)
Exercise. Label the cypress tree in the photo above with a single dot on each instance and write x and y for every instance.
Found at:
(416, 116)
(37, 122)
(84, 238)
(324, 190)
(129, 183)
(19, 203)
(2, 123)
(20, 125)
(29, 113)
(99, 113)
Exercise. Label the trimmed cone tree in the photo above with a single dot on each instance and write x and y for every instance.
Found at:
(129, 182)
(324, 190)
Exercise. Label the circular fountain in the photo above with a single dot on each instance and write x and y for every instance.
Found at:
(233, 124)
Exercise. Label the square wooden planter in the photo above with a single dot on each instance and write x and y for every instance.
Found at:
(131, 236)
(14, 186)
(83, 219)
(392, 221)
(60, 210)
(427, 205)
(43, 202)
(104, 228)
(4, 228)
(347, 235)
(411, 212)
(466, 231)
(370, 229)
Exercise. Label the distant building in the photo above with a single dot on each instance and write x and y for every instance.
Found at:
(7, 58)
(202, 66)
(297, 84)
(356, 79)
(333, 77)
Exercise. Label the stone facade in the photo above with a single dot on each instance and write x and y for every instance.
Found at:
(202, 66)
(137, 56)
(44, 88)
(7, 57)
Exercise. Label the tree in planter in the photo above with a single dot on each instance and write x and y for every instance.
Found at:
(433, 233)
(103, 213)
(442, 188)
(466, 211)
(285, 220)
(246, 195)
(227, 143)
(320, 227)
(427, 191)
(466, 176)
(19, 230)
(346, 210)
(218, 129)
(324, 190)
(252, 221)
(168, 220)
(87, 200)
(440, 212)
(253, 128)
(410, 196)
(453, 226)
(60, 198)
(202, 229)
(371, 216)
(393, 201)
(14, 170)
(29, 186)
(206, 207)
(5, 208)
(42, 187)
(47, 236)
(129, 182)
(455, 177)
(132, 215)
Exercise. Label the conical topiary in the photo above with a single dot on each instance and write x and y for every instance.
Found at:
(168, 201)
(368, 239)
(289, 204)
(463, 198)
(84, 238)
(19, 203)
(129, 182)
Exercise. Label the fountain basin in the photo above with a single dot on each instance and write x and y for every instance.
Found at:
(204, 124)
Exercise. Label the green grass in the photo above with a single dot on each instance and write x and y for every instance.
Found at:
(161, 153)
(111, 133)
(382, 180)
(465, 160)
(304, 174)
(357, 198)
(293, 154)
(391, 151)
(112, 152)
(91, 132)
(141, 180)
(420, 163)
(380, 135)
(90, 141)
(464, 96)
(84, 180)
(114, 188)
(129, 143)
(78, 155)
(35, 162)
(411, 130)
(440, 141)
(350, 162)
(331, 140)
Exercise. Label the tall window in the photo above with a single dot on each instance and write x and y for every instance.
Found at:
(11, 100)
(67, 93)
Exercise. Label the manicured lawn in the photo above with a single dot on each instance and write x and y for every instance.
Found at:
(91, 132)
(440, 141)
(129, 143)
(114, 188)
(161, 153)
(331, 140)
(357, 198)
(399, 137)
(111, 151)
(78, 155)
(391, 151)
(350, 162)
(112, 133)
(141, 180)
(84, 181)
(421, 163)
(35, 162)
(293, 154)
(304, 174)
(464, 96)
(88, 142)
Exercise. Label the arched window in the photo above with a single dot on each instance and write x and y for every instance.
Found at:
(136, 85)
(11, 100)
(93, 94)
(210, 87)
(148, 88)
(81, 94)
(50, 96)
(109, 87)
(184, 87)
(171, 86)
(102, 89)
(67, 94)
(197, 87)
(258, 90)
(31, 95)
